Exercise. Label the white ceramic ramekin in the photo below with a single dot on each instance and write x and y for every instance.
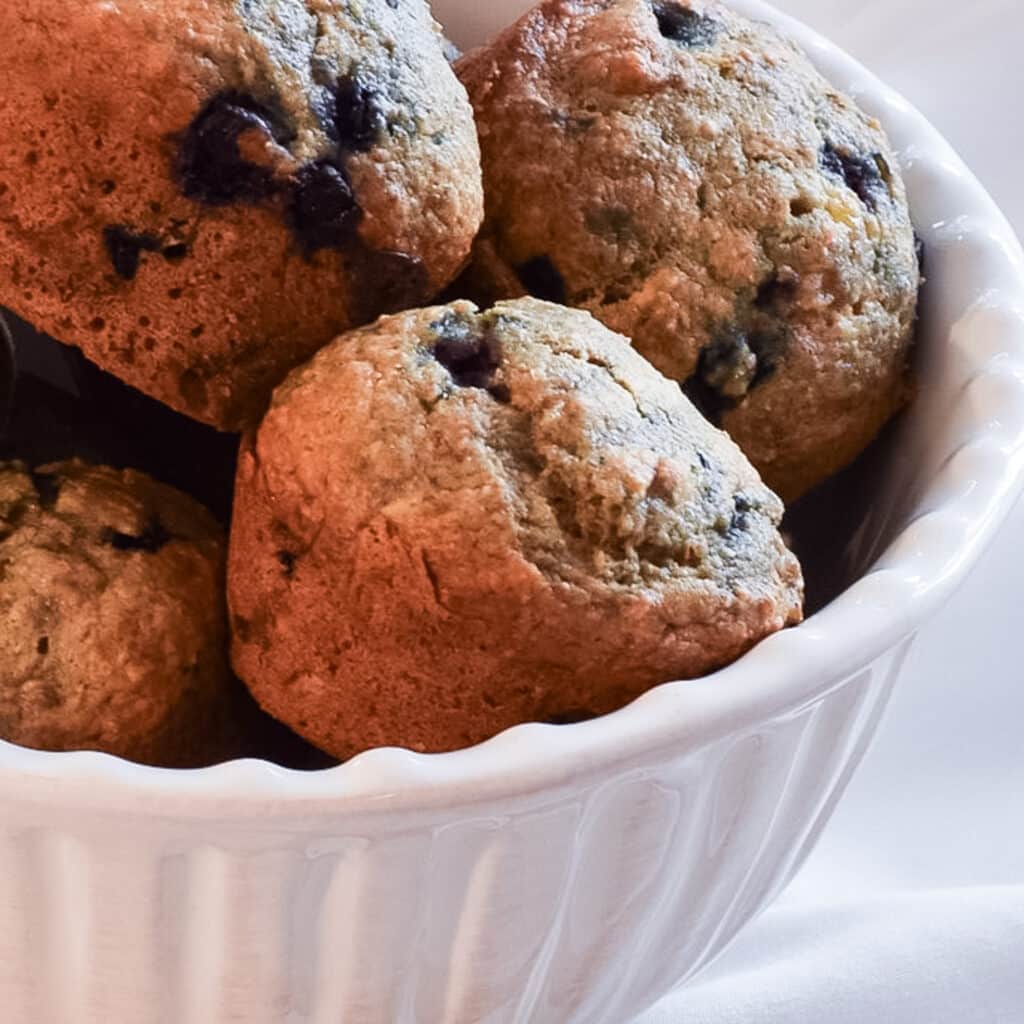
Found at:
(554, 874)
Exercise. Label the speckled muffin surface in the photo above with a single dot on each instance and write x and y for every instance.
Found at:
(452, 522)
(113, 632)
(687, 176)
(200, 193)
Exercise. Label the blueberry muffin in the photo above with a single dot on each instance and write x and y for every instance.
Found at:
(687, 176)
(113, 633)
(453, 521)
(199, 194)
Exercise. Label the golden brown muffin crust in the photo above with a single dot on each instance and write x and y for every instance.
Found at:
(200, 193)
(453, 521)
(112, 620)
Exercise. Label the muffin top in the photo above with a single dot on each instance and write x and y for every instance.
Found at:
(686, 175)
(112, 622)
(255, 178)
(453, 521)
(598, 469)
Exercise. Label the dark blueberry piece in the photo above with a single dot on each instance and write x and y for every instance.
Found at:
(357, 119)
(742, 507)
(831, 161)
(287, 560)
(727, 365)
(731, 366)
(919, 251)
(775, 291)
(47, 487)
(151, 540)
(211, 164)
(867, 176)
(125, 249)
(324, 211)
(541, 278)
(682, 25)
(768, 347)
(175, 252)
(471, 358)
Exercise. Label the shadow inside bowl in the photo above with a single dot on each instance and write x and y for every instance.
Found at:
(66, 407)
(826, 527)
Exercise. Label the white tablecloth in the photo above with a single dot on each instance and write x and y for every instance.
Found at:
(911, 911)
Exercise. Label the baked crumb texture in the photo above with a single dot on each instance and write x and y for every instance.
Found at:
(688, 177)
(208, 191)
(454, 521)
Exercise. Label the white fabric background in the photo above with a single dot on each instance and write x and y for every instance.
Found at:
(911, 910)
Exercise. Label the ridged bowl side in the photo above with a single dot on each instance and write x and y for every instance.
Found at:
(572, 906)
